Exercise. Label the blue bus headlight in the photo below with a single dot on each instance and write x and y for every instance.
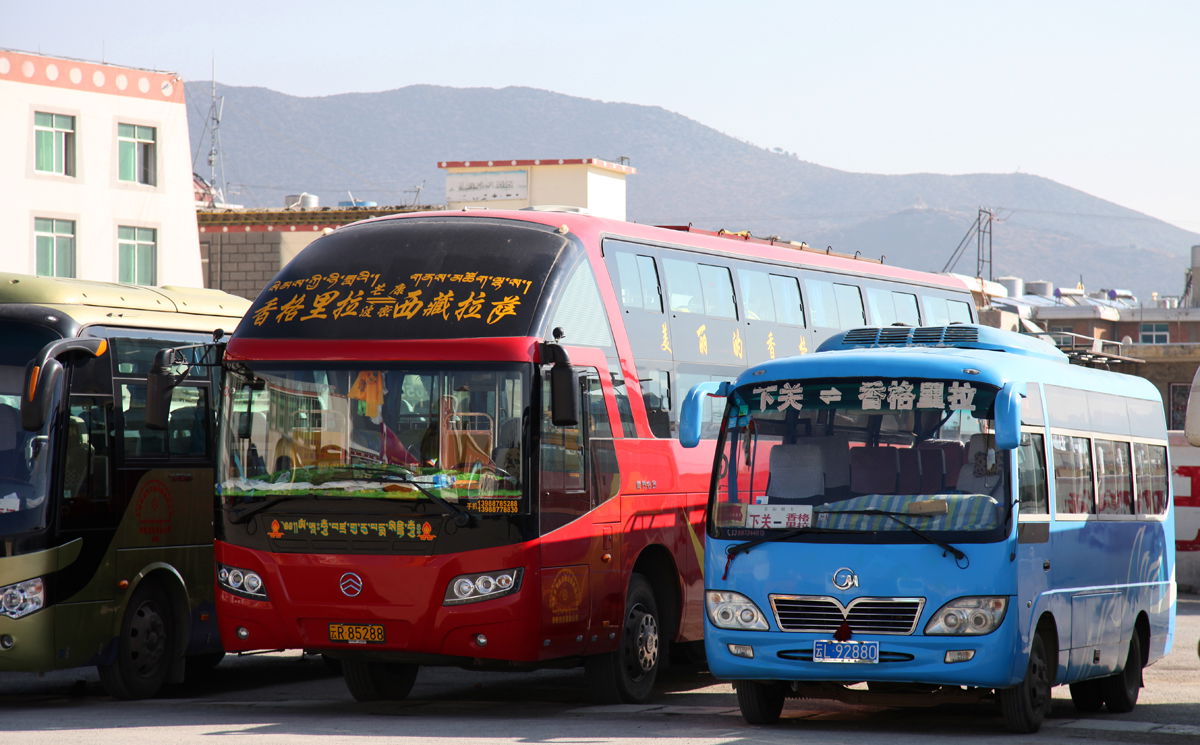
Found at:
(22, 598)
(242, 582)
(733, 610)
(968, 617)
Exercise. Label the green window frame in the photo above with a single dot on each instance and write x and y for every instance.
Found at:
(136, 148)
(54, 242)
(137, 255)
(54, 143)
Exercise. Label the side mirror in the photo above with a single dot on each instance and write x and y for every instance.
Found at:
(1008, 416)
(564, 390)
(160, 381)
(44, 373)
(564, 395)
(691, 415)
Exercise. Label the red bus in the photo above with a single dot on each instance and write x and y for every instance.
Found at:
(448, 438)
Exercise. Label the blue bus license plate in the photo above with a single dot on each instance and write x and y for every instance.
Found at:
(828, 650)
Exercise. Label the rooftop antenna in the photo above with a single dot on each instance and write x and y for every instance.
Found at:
(216, 164)
(416, 192)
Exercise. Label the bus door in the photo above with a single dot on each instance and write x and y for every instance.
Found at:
(1034, 565)
(573, 464)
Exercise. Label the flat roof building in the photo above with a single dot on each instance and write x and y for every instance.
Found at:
(96, 172)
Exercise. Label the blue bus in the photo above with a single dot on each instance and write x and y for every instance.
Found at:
(942, 514)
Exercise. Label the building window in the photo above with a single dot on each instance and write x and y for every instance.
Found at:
(54, 143)
(55, 244)
(135, 145)
(1061, 335)
(136, 255)
(1154, 333)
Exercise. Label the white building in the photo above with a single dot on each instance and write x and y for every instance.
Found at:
(594, 185)
(95, 172)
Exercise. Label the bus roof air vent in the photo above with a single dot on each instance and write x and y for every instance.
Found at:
(960, 336)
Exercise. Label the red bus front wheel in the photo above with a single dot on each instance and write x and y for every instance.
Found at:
(628, 673)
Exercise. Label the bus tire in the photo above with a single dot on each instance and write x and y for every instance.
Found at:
(144, 646)
(378, 681)
(1026, 704)
(760, 702)
(1121, 689)
(1088, 696)
(627, 674)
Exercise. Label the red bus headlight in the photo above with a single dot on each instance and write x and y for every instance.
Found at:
(472, 588)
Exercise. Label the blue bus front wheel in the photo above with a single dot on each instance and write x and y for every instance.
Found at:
(760, 702)
(1026, 704)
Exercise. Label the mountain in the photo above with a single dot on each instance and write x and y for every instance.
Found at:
(383, 146)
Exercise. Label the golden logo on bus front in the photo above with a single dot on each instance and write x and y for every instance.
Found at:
(452, 297)
(324, 528)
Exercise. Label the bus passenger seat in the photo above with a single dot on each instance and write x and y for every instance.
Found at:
(874, 470)
(835, 452)
(975, 477)
(933, 471)
(797, 472)
(909, 480)
(953, 456)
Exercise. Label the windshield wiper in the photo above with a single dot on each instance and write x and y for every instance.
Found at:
(462, 518)
(741, 548)
(956, 553)
(237, 517)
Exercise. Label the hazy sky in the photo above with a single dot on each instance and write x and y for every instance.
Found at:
(1099, 95)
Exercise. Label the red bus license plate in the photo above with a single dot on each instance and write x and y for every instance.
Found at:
(356, 633)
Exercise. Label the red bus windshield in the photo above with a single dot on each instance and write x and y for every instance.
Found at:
(417, 433)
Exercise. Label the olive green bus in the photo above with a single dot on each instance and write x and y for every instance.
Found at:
(105, 524)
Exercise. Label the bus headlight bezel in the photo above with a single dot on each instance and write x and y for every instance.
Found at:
(479, 586)
(734, 611)
(241, 582)
(968, 616)
(22, 598)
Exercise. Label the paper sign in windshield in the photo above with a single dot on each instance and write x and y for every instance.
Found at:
(778, 516)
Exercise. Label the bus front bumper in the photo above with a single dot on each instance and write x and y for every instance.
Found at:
(985, 661)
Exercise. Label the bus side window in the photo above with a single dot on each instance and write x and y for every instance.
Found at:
(602, 456)
(835, 305)
(656, 392)
(1073, 486)
(563, 473)
(1115, 475)
(86, 477)
(1031, 475)
(1150, 464)
(623, 409)
(637, 282)
(188, 422)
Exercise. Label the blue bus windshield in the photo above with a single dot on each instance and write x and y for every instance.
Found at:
(849, 456)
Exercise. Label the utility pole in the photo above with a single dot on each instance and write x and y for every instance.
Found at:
(981, 229)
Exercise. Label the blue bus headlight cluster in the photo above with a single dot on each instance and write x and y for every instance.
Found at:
(733, 610)
(472, 588)
(968, 617)
(22, 598)
(242, 582)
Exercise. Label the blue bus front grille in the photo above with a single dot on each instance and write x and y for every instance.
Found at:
(825, 614)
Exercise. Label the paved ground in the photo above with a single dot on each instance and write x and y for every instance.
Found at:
(288, 699)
